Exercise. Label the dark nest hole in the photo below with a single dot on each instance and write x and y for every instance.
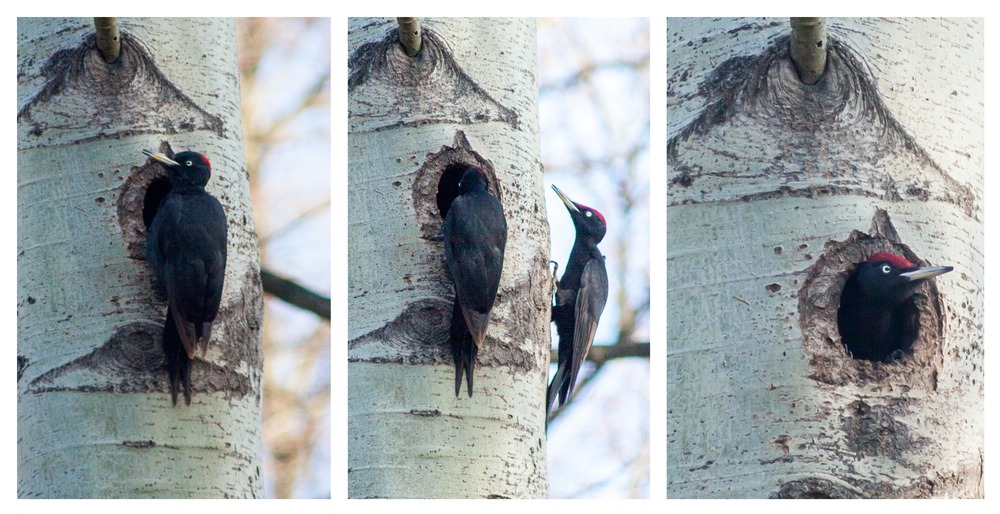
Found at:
(820, 301)
(448, 186)
(157, 190)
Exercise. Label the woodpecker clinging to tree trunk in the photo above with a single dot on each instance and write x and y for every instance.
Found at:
(475, 235)
(186, 250)
(877, 318)
(581, 295)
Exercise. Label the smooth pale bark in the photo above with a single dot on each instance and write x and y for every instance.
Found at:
(470, 96)
(767, 179)
(95, 418)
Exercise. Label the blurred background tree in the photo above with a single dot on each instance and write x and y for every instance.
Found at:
(285, 82)
(594, 116)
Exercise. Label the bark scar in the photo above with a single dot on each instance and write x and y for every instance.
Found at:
(839, 132)
(84, 95)
(428, 88)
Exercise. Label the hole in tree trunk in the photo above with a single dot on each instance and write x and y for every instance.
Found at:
(448, 186)
(919, 330)
(157, 190)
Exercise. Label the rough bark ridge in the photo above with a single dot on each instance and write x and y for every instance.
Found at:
(792, 135)
(429, 88)
(81, 94)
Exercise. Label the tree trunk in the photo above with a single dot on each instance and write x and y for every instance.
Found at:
(468, 98)
(95, 418)
(776, 190)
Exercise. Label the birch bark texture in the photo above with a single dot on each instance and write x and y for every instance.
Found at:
(95, 418)
(469, 97)
(776, 190)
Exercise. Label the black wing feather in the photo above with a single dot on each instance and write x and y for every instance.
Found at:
(474, 253)
(188, 255)
(588, 306)
(590, 302)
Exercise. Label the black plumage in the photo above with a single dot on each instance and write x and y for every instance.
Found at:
(877, 317)
(475, 236)
(581, 295)
(186, 250)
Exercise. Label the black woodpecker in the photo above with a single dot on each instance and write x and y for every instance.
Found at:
(475, 234)
(877, 317)
(186, 250)
(581, 295)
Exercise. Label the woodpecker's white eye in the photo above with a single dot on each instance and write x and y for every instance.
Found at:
(588, 213)
(189, 163)
(886, 269)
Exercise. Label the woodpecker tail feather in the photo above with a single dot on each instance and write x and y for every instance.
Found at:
(463, 349)
(558, 389)
(177, 360)
(186, 332)
(205, 337)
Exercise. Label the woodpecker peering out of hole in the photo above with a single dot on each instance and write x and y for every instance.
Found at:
(475, 235)
(877, 317)
(581, 294)
(186, 250)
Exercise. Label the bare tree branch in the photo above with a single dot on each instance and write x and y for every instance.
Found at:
(108, 38)
(295, 294)
(601, 354)
(808, 43)
(409, 35)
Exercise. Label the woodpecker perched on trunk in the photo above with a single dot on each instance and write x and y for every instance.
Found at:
(581, 295)
(877, 317)
(475, 234)
(186, 250)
